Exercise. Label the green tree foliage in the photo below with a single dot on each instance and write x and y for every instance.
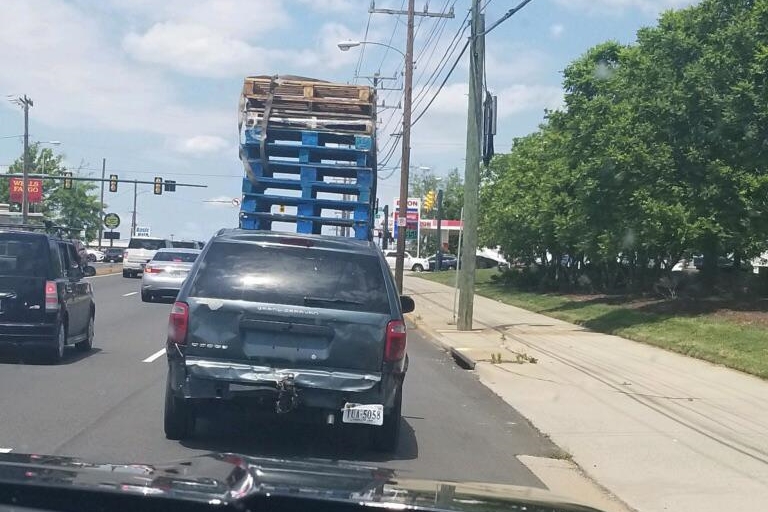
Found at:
(78, 207)
(661, 150)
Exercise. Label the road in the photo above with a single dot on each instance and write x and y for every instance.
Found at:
(107, 405)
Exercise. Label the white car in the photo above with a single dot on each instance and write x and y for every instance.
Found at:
(409, 262)
(94, 255)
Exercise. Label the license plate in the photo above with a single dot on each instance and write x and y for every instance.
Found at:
(372, 414)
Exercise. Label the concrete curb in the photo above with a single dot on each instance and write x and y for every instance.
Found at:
(107, 270)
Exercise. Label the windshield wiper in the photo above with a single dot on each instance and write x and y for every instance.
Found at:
(325, 300)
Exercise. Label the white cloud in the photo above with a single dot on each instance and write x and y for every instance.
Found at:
(519, 98)
(192, 49)
(201, 144)
(85, 81)
(556, 30)
(198, 50)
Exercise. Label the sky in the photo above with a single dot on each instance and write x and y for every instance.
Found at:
(153, 86)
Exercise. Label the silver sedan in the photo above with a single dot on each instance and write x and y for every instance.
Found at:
(165, 273)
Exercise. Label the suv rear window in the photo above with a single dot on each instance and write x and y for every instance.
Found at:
(23, 256)
(148, 244)
(292, 275)
(181, 257)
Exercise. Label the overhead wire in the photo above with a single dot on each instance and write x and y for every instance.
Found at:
(362, 50)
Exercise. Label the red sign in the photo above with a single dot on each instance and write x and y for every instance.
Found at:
(34, 190)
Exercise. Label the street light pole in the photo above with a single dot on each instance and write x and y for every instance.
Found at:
(406, 148)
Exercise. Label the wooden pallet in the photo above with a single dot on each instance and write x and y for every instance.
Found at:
(296, 88)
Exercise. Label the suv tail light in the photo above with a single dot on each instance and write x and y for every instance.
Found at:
(394, 350)
(51, 296)
(178, 323)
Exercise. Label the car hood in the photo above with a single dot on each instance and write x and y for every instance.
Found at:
(227, 477)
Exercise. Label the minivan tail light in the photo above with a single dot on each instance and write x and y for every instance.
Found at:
(394, 350)
(178, 323)
(51, 296)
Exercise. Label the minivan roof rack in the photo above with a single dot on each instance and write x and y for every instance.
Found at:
(49, 227)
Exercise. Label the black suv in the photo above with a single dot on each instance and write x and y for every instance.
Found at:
(44, 302)
(303, 325)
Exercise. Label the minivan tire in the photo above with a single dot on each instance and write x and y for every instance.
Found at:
(146, 296)
(386, 437)
(179, 418)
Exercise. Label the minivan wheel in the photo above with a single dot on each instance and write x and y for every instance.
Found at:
(146, 296)
(386, 437)
(87, 343)
(417, 268)
(56, 353)
(179, 418)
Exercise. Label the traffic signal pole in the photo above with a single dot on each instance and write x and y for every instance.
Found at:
(101, 224)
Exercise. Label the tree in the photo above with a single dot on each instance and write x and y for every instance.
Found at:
(660, 150)
(78, 207)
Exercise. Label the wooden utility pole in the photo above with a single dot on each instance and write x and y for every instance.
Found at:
(405, 162)
(466, 275)
(25, 103)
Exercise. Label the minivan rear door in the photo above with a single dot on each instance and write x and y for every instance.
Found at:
(289, 306)
(23, 270)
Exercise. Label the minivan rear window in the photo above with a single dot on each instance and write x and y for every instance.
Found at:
(148, 244)
(292, 275)
(23, 256)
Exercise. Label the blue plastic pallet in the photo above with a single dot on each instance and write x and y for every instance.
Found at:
(309, 138)
(306, 224)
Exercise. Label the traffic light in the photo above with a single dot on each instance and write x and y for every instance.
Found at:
(67, 180)
(113, 182)
(158, 185)
(170, 185)
(429, 201)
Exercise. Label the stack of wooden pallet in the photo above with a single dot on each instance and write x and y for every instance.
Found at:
(315, 137)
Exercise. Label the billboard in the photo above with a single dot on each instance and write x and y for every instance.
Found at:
(34, 190)
(413, 216)
(142, 231)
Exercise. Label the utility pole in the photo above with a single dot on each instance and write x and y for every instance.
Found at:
(439, 255)
(466, 274)
(25, 103)
(405, 162)
(402, 213)
(101, 219)
(133, 217)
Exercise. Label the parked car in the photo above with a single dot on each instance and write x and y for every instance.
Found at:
(186, 244)
(447, 262)
(113, 254)
(140, 250)
(45, 304)
(409, 262)
(165, 273)
(94, 255)
(301, 325)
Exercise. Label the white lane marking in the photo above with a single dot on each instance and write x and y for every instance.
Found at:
(129, 294)
(6, 450)
(154, 356)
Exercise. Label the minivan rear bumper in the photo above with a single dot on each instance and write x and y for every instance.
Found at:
(203, 379)
(27, 334)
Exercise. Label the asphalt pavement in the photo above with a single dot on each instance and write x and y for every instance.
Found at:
(107, 406)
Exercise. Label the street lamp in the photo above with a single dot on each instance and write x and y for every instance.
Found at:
(346, 45)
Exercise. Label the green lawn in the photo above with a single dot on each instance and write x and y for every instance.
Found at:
(708, 334)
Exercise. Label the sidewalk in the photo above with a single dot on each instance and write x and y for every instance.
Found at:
(661, 431)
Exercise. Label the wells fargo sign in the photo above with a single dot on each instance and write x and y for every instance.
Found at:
(34, 190)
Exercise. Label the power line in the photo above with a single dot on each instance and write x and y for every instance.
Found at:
(362, 50)
(391, 37)
(445, 80)
(506, 16)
